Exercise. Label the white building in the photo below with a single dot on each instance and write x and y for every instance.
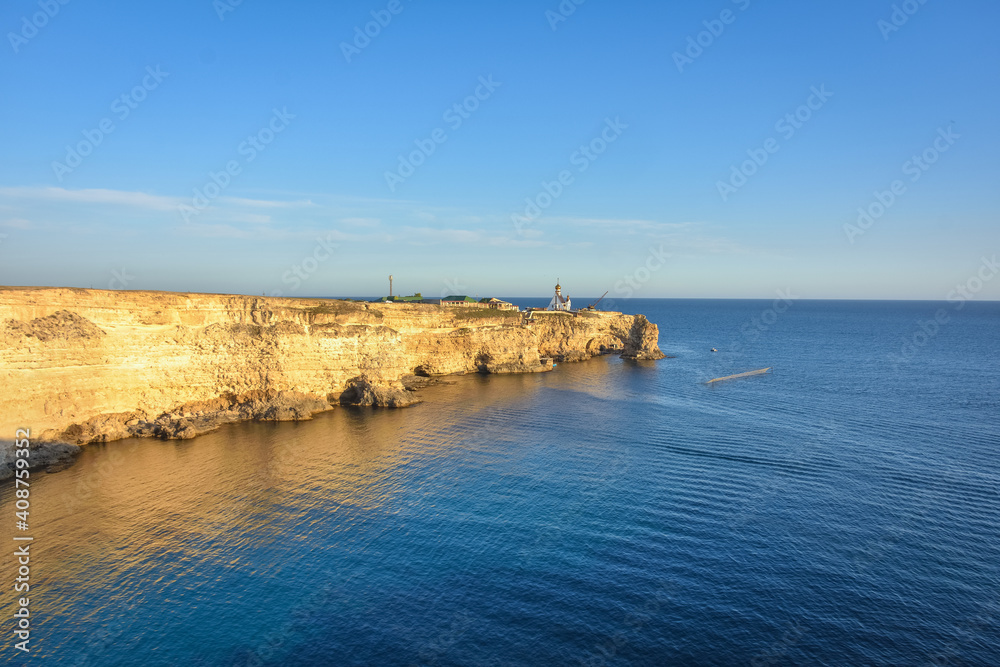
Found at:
(559, 302)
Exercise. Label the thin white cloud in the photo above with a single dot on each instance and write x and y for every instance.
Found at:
(379, 222)
(266, 203)
(378, 237)
(137, 199)
(361, 222)
(219, 231)
(245, 218)
(17, 223)
(431, 235)
(708, 245)
(341, 200)
(508, 242)
(680, 237)
(622, 223)
(93, 196)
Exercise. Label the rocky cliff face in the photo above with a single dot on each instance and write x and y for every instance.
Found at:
(89, 365)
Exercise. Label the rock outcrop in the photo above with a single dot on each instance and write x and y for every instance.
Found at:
(642, 342)
(363, 391)
(82, 366)
(41, 455)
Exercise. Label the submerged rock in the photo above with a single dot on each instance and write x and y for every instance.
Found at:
(193, 419)
(41, 455)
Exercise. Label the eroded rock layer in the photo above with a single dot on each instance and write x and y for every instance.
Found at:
(84, 366)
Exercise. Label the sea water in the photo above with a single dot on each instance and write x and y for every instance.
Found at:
(841, 510)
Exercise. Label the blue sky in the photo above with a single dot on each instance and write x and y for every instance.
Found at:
(313, 214)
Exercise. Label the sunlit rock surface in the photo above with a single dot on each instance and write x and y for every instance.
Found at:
(83, 366)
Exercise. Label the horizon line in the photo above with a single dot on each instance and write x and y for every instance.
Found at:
(523, 296)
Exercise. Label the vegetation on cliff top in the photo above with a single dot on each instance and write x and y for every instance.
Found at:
(343, 308)
(484, 314)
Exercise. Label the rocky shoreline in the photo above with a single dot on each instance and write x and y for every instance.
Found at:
(85, 366)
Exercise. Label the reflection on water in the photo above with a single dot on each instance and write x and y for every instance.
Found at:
(607, 511)
(136, 523)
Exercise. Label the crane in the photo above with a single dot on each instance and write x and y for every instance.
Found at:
(594, 305)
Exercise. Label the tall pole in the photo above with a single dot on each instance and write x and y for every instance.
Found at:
(390, 286)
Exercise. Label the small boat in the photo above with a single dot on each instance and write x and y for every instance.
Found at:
(714, 350)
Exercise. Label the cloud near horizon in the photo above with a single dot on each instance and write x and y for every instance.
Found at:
(384, 221)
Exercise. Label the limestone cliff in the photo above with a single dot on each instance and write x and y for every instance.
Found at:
(91, 365)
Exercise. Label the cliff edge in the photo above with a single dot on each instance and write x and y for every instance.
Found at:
(82, 366)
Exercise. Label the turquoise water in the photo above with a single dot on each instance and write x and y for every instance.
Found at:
(844, 510)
